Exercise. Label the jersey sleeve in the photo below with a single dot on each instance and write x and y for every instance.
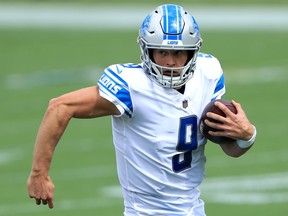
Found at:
(114, 88)
(213, 72)
(219, 90)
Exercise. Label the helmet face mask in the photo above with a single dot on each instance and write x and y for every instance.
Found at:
(171, 77)
(169, 27)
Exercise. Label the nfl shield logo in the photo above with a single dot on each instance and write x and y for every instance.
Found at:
(185, 104)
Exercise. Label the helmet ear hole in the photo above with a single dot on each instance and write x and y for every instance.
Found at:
(191, 54)
(150, 52)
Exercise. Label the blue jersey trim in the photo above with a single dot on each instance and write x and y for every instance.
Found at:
(116, 76)
(220, 84)
(115, 87)
(219, 89)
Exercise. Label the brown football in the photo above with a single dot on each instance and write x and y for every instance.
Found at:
(210, 107)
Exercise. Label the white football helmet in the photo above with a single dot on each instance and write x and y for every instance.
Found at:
(169, 27)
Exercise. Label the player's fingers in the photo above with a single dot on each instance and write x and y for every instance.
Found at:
(51, 196)
(44, 201)
(237, 106)
(216, 117)
(235, 103)
(38, 201)
(223, 127)
(221, 134)
(50, 203)
(214, 125)
(224, 108)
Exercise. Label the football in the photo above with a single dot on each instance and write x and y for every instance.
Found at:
(210, 107)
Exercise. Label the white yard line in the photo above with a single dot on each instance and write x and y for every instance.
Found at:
(257, 75)
(10, 155)
(253, 189)
(68, 76)
(69, 16)
(62, 205)
(258, 189)
(52, 77)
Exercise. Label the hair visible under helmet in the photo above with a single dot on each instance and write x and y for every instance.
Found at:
(169, 27)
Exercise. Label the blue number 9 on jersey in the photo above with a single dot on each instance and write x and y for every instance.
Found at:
(187, 141)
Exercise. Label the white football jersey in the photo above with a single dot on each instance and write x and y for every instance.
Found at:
(158, 144)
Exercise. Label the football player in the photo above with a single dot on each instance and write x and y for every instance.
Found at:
(155, 107)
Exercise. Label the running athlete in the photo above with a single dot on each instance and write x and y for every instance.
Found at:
(155, 107)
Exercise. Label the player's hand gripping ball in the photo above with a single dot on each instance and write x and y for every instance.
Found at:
(210, 107)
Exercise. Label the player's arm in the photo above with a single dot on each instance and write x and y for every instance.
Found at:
(84, 103)
(236, 126)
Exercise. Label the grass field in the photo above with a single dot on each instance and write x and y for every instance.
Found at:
(39, 64)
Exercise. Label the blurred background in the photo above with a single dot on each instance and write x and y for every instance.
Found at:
(48, 48)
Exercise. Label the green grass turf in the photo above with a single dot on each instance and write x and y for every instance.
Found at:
(84, 162)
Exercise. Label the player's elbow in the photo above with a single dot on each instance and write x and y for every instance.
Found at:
(235, 154)
(58, 108)
(53, 105)
(233, 150)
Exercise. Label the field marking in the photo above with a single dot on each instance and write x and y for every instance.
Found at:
(253, 189)
(91, 75)
(257, 75)
(51, 77)
(62, 205)
(109, 171)
(10, 155)
(79, 16)
(258, 189)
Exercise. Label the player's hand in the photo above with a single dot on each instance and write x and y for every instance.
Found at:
(41, 188)
(235, 126)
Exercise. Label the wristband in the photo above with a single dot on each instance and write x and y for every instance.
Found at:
(248, 143)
